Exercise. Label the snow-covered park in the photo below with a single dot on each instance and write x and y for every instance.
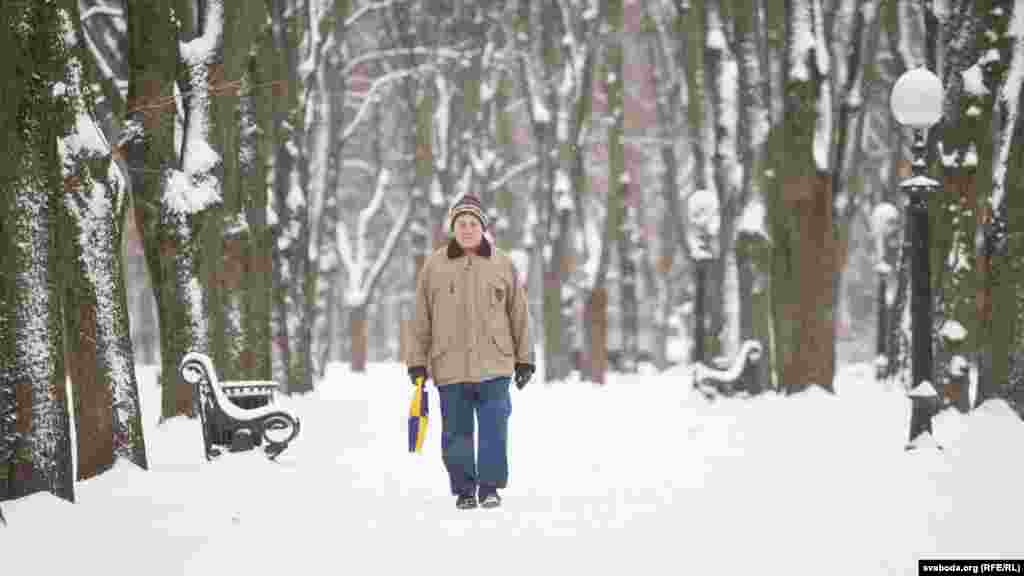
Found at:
(641, 476)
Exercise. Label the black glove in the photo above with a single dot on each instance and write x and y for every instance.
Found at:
(524, 372)
(417, 372)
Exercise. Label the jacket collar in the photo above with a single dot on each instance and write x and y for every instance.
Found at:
(455, 251)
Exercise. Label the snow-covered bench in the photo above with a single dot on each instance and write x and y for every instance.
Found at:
(227, 423)
(727, 380)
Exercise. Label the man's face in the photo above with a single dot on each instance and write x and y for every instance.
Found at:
(468, 231)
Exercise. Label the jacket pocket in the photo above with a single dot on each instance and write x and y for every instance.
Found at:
(497, 321)
(504, 343)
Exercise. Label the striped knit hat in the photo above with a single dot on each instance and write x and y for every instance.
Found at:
(467, 204)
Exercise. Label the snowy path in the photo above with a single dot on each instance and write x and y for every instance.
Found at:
(638, 476)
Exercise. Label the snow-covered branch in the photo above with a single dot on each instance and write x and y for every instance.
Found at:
(370, 97)
(906, 11)
(361, 277)
(514, 171)
(441, 122)
(120, 84)
(369, 7)
(1009, 96)
(102, 10)
(358, 164)
(451, 53)
(344, 249)
(366, 214)
(802, 41)
(384, 256)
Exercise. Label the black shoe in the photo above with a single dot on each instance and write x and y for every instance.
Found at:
(489, 498)
(465, 502)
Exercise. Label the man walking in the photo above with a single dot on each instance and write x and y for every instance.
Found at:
(472, 331)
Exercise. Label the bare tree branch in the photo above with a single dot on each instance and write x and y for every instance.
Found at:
(512, 173)
(102, 10)
(367, 8)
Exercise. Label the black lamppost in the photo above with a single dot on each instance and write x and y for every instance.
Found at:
(916, 101)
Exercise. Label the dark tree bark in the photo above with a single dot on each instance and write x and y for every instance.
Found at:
(33, 116)
(801, 215)
(162, 178)
(100, 359)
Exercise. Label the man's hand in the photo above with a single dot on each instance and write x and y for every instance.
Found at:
(417, 372)
(524, 372)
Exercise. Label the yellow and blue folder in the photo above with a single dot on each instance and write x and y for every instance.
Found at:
(419, 410)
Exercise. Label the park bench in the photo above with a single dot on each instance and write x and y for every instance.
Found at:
(725, 380)
(237, 414)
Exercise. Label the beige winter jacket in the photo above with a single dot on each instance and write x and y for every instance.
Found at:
(472, 321)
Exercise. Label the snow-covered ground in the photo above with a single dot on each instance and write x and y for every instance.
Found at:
(638, 477)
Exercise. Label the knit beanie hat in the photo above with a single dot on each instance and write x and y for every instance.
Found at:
(468, 204)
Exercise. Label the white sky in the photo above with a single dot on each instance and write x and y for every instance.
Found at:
(638, 477)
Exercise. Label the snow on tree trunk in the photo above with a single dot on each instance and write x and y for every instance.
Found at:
(1012, 246)
(31, 179)
(547, 81)
(665, 54)
(102, 366)
(285, 199)
(695, 89)
(254, 173)
(750, 249)
(1006, 71)
(982, 84)
(853, 40)
(9, 437)
(235, 271)
(176, 183)
(721, 68)
(955, 217)
(318, 138)
(618, 178)
(559, 294)
(802, 282)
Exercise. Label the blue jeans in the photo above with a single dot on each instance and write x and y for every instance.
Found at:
(492, 404)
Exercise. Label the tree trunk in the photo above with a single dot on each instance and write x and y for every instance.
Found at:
(9, 438)
(556, 344)
(693, 55)
(33, 117)
(595, 322)
(746, 264)
(359, 334)
(94, 421)
(256, 125)
(752, 82)
(801, 215)
(723, 163)
(618, 178)
(228, 239)
(804, 283)
(629, 306)
(100, 356)
(283, 70)
(151, 85)
(667, 97)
